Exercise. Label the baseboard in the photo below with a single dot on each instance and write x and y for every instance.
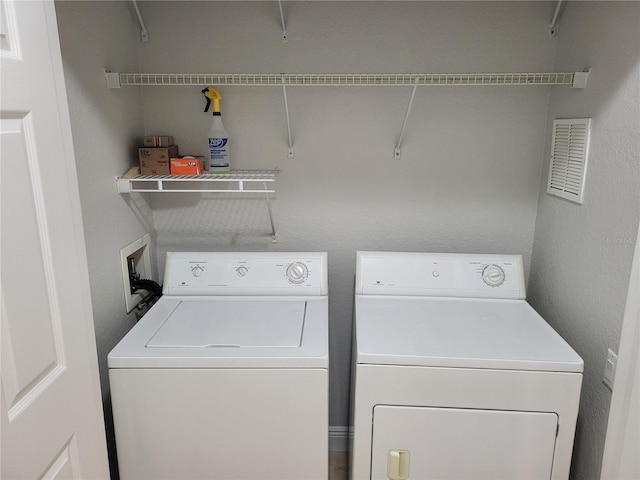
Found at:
(340, 438)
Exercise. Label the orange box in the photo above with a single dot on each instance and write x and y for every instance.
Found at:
(186, 166)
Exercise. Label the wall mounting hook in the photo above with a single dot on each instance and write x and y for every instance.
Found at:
(284, 27)
(553, 27)
(144, 34)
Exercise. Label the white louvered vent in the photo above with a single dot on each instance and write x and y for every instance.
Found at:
(569, 151)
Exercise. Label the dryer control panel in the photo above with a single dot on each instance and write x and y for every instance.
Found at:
(253, 273)
(440, 274)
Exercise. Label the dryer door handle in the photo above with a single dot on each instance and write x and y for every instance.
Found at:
(398, 464)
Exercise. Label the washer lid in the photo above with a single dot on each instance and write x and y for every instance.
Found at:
(459, 332)
(201, 324)
(228, 332)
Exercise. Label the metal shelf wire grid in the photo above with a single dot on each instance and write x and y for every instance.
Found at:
(347, 79)
(239, 181)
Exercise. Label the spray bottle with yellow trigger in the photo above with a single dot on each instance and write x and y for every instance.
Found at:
(217, 150)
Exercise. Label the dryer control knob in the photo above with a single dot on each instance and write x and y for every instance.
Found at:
(297, 272)
(493, 275)
(197, 271)
(242, 271)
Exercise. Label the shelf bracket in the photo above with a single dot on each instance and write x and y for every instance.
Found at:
(286, 112)
(397, 150)
(553, 27)
(580, 79)
(274, 235)
(284, 27)
(144, 34)
(113, 79)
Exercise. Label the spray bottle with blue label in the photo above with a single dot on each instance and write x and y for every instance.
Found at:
(217, 152)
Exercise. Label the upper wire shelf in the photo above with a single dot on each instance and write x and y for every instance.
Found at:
(284, 80)
(116, 80)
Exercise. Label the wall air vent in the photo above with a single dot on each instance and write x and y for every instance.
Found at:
(569, 151)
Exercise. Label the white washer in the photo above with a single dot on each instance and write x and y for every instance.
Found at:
(226, 376)
(456, 375)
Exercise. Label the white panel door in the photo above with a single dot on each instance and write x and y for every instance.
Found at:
(621, 460)
(464, 444)
(52, 425)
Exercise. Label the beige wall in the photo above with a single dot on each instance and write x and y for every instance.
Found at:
(582, 255)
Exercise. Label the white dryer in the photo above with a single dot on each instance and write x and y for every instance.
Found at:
(456, 375)
(226, 377)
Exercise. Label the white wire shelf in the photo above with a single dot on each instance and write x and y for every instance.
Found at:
(116, 80)
(234, 182)
(284, 80)
(239, 181)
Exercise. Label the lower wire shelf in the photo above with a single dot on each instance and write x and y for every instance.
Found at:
(233, 182)
(238, 181)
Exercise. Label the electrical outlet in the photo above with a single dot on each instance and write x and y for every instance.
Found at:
(610, 369)
(135, 257)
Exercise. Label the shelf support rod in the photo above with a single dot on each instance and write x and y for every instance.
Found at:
(274, 235)
(396, 152)
(286, 111)
(144, 34)
(284, 27)
(553, 27)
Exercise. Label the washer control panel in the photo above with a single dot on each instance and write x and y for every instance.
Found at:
(440, 274)
(253, 273)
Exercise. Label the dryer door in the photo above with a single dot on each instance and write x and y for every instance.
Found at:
(454, 443)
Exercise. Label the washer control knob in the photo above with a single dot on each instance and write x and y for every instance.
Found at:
(242, 271)
(197, 271)
(493, 275)
(297, 272)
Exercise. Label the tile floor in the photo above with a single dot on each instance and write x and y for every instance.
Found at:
(338, 466)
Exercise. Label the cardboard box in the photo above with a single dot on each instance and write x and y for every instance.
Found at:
(158, 141)
(155, 160)
(186, 165)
